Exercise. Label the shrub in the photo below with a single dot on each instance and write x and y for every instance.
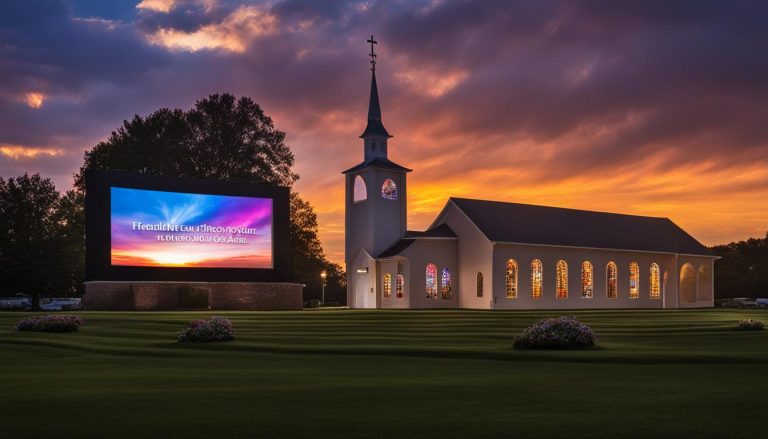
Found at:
(50, 323)
(565, 332)
(215, 329)
(314, 303)
(749, 325)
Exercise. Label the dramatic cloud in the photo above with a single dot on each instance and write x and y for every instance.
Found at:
(644, 107)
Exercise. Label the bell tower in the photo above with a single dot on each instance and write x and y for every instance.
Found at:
(375, 203)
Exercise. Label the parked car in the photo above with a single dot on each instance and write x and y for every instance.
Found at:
(14, 303)
(62, 304)
(744, 302)
(762, 302)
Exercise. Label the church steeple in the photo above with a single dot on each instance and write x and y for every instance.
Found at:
(375, 135)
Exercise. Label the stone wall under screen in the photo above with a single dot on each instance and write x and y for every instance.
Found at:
(150, 228)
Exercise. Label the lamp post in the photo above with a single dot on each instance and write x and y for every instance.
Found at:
(323, 275)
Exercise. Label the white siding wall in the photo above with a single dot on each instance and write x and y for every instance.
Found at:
(574, 257)
(442, 253)
(474, 255)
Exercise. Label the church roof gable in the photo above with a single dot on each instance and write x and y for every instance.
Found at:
(542, 225)
(377, 162)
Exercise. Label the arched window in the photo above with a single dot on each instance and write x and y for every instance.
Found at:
(445, 280)
(688, 283)
(387, 285)
(511, 279)
(634, 280)
(399, 282)
(561, 284)
(479, 284)
(360, 192)
(373, 146)
(705, 283)
(389, 190)
(655, 281)
(587, 279)
(431, 281)
(537, 276)
(610, 280)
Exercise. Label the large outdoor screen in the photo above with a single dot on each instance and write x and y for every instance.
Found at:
(143, 227)
(171, 229)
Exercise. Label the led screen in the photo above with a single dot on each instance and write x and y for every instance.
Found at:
(152, 228)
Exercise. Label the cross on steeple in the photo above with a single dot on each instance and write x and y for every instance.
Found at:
(372, 54)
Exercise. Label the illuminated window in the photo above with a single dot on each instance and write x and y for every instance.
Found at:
(587, 278)
(688, 283)
(561, 286)
(389, 190)
(655, 284)
(445, 278)
(431, 281)
(360, 192)
(536, 279)
(387, 285)
(399, 281)
(610, 281)
(511, 279)
(634, 280)
(479, 284)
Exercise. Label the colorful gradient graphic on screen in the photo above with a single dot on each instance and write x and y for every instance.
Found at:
(172, 229)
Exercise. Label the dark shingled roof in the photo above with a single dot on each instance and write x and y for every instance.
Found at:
(377, 162)
(441, 231)
(530, 224)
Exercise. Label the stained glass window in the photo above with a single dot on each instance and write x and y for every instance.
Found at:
(511, 279)
(561, 286)
(610, 276)
(655, 284)
(536, 279)
(399, 282)
(431, 281)
(634, 280)
(387, 285)
(479, 284)
(360, 192)
(587, 278)
(446, 283)
(389, 190)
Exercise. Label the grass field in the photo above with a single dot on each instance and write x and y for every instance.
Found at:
(386, 374)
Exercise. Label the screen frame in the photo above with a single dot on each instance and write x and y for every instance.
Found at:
(98, 242)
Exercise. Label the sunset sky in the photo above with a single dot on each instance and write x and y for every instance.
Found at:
(640, 107)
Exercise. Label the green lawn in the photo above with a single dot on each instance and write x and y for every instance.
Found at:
(386, 374)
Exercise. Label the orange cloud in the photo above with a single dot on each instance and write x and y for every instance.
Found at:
(431, 82)
(164, 6)
(34, 99)
(17, 152)
(233, 34)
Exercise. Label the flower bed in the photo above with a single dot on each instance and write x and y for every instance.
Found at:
(51, 323)
(749, 325)
(202, 331)
(565, 332)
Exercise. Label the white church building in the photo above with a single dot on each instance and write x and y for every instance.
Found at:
(497, 255)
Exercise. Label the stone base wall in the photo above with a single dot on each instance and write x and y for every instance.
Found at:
(164, 296)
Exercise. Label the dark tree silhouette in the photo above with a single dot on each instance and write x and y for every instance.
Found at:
(32, 257)
(221, 138)
(742, 270)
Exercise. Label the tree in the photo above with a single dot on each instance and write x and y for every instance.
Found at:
(742, 270)
(309, 260)
(32, 257)
(221, 138)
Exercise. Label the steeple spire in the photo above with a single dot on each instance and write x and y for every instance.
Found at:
(374, 128)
